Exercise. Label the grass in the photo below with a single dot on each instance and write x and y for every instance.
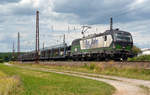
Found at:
(146, 89)
(9, 85)
(44, 83)
(109, 68)
(140, 58)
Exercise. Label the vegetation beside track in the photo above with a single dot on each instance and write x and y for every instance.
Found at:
(136, 50)
(121, 70)
(44, 83)
(9, 85)
(7, 56)
(140, 58)
(109, 68)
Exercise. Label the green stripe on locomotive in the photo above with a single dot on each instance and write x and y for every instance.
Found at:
(74, 47)
(117, 47)
(77, 48)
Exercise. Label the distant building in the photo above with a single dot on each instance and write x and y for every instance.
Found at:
(145, 52)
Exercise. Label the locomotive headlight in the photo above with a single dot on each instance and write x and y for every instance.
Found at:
(75, 49)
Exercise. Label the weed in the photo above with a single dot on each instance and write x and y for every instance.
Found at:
(8, 85)
(146, 89)
(92, 66)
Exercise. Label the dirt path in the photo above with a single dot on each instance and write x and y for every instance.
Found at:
(124, 86)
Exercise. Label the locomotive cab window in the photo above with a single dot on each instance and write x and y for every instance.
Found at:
(123, 37)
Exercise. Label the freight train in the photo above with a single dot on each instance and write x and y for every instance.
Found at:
(113, 44)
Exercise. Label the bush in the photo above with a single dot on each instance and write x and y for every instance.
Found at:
(140, 58)
(92, 66)
(1, 60)
(136, 50)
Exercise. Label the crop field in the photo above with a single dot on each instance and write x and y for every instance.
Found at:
(32, 82)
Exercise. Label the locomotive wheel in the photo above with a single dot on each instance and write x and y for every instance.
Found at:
(125, 59)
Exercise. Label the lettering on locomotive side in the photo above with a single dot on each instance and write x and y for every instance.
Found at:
(97, 42)
(89, 43)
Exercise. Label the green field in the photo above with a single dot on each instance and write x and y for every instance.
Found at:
(33, 82)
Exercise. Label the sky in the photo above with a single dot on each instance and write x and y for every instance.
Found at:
(65, 17)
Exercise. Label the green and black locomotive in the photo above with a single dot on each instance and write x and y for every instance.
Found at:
(112, 44)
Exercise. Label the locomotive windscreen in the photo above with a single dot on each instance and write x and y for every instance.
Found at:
(123, 37)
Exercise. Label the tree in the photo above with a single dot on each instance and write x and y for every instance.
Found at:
(136, 50)
(6, 58)
(1, 60)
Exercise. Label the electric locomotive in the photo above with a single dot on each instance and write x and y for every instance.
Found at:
(112, 44)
